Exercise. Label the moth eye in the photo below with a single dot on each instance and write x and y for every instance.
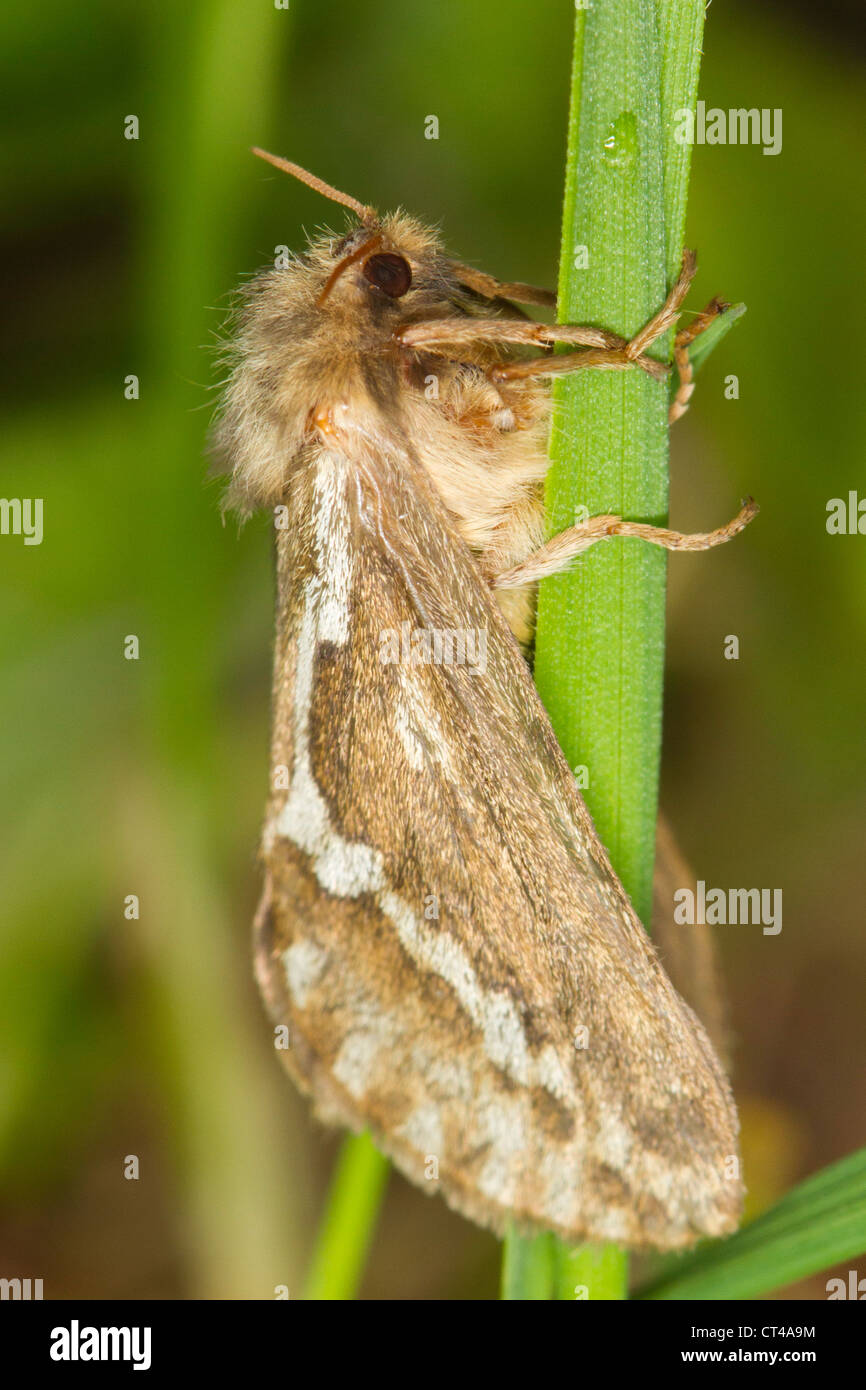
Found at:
(389, 273)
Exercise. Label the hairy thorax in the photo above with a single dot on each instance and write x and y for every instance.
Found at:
(308, 373)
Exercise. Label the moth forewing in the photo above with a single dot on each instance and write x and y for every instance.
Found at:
(441, 929)
(459, 967)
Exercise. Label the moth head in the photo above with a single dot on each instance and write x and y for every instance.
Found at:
(383, 269)
(369, 270)
(319, 333)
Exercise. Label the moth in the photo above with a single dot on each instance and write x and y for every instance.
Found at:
(440, 928)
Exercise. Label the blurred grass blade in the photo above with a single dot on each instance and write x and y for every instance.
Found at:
(347, 1230)
(529, 1267)
(208, 69)
(816, 1225)
(599, 1272)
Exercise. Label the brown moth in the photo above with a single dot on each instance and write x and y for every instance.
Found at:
(441, 929)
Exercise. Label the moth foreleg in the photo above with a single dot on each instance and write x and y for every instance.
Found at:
(668, 313)
(607, 351)
(457, 332)
(557, 553)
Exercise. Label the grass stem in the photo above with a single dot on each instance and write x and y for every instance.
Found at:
(601, 627)
(352, 1210)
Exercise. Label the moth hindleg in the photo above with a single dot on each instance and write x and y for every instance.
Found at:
(557, 553)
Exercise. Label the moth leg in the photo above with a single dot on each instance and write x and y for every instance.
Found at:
(669, 312)
(491, 288)
(603, 349)
(455, 332)
(557, 553)
(608, 359)
(614, 353)
(686, 336)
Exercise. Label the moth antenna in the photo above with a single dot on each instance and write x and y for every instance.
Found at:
(366, 214)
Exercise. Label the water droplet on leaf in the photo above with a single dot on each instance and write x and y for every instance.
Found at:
(620, 144)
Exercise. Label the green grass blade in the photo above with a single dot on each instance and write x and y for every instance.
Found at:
(816, 1225)
(601, 627)
(529, 1267)
(680, 30)
(600, 637)
(347, 1230)
(599, 1272)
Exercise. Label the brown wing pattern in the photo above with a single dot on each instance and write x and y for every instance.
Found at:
(441, 928)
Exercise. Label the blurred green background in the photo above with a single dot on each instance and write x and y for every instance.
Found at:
(145, 1036)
